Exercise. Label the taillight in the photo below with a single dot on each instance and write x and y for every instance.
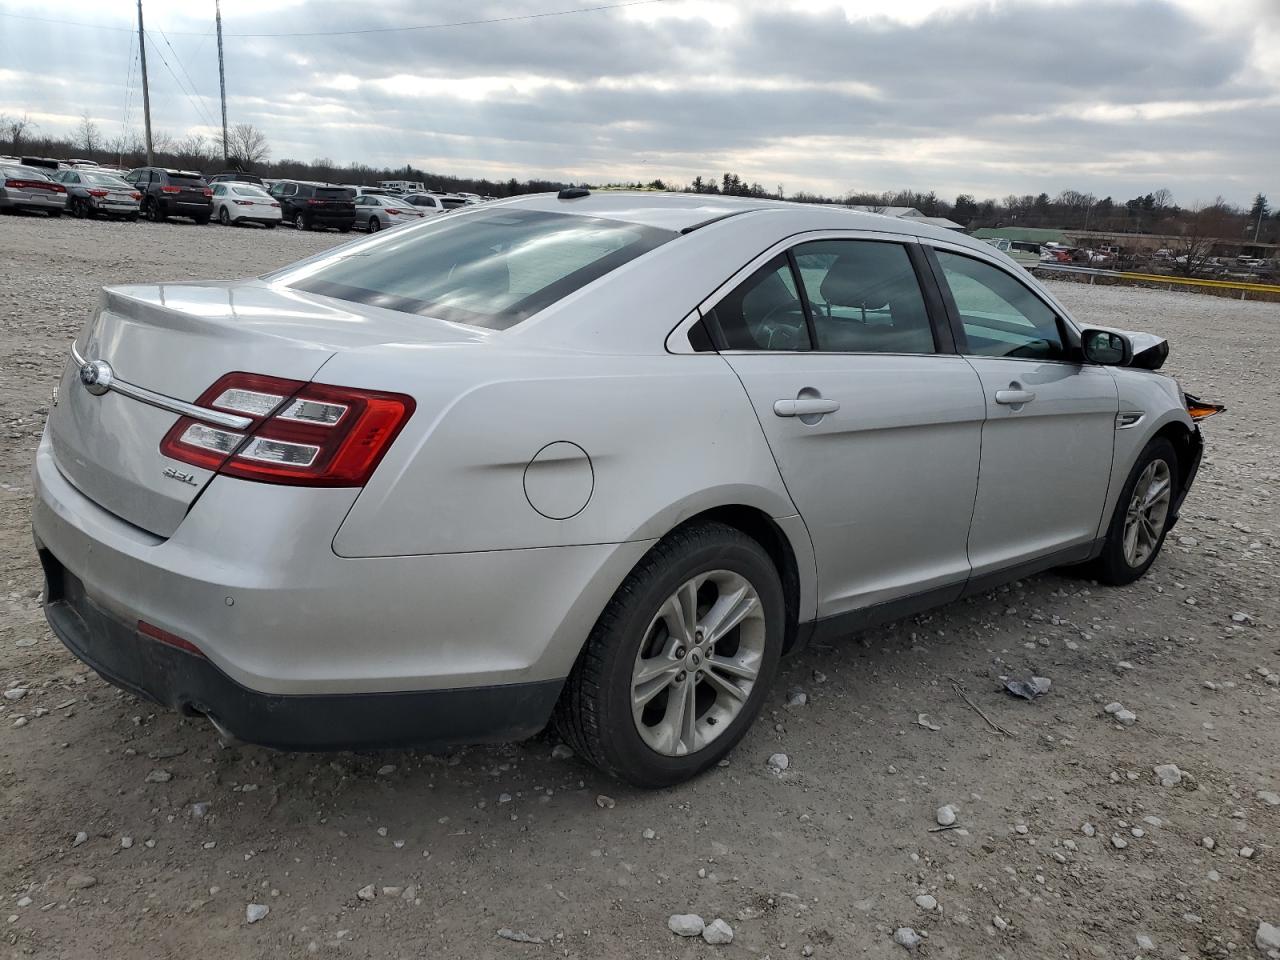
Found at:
(97, 193)
(306, 434)
(170, 189)
(244, 203)
(392, 212)
(208, 191)
(136, 195)
(57, 188)
(276, 205)
(314, 203)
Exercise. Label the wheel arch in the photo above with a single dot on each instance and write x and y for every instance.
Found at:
(1183, 439)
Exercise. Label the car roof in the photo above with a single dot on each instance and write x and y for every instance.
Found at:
(682, 212)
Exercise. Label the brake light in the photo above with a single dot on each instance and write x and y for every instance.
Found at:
(392, 211)
(305, 434)
(136, 195)
(170, 189)
(276, 205)
(97, 193)
(208, 191)
(245, 203)
(57, 188)
(316, 203)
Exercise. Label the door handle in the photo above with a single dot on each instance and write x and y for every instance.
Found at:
(1014, 398)
(805, 407)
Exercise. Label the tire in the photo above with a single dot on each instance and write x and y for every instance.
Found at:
(55, 214)
(269, 226)
(224, 217)
(300, 222)
(374, 225)
(80, 209)
(201, 221)
(595, 713)
(1116, 566)
(132, 218)
(344, 229)
(153, 212)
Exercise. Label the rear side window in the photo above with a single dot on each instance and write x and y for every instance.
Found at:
(452, 204)
(1000, 316)
(488, 270)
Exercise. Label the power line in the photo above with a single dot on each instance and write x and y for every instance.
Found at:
(195, 103)
(182, 66)
(370, 30)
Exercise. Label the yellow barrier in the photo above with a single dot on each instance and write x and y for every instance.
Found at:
(1225, 284)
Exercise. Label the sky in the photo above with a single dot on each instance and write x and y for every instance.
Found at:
(987, 97)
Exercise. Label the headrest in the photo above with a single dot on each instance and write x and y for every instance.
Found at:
(869, 278)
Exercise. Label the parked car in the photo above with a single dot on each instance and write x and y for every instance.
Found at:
(360, 191)
(233, 176)
(237, 203)
(172, 193)
(379, 498)
(374, 212)
(308, 206)
(403, 186)
(434, 204)
(91, 194)
(27, 188)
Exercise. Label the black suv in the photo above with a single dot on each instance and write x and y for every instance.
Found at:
(311, 205)
(172, 193)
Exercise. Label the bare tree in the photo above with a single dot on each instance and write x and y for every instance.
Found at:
(88, 136)
(246, 146)
(193, 150)
(16, 129)
(1200, 233)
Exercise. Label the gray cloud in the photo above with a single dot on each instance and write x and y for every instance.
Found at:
(1116, 98)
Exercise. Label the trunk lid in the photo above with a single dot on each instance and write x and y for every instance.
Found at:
(176, 340)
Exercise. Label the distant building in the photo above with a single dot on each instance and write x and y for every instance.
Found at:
(1022, 234)
(908, 213)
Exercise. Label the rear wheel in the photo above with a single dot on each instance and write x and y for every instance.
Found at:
(224, 217)
(55, 213)
(1141, 519)
(153, 212)
(202, 220)
(374, 225)
(679, 663)
(80, 208)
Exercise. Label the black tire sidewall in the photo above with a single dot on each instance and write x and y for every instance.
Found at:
(626, 753)
(1113, 568)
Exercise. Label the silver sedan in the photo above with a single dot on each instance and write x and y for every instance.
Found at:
(593, 459)
(376, 212)
(91, 193)
(26, 188)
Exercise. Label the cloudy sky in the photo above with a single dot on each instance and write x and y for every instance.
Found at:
(1115, 97)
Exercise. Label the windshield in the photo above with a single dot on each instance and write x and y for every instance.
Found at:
(489, 269)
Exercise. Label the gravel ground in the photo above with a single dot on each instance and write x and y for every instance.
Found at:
(130, 833)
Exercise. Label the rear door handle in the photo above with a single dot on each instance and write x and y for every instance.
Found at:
(1014, 397)
(805, 407)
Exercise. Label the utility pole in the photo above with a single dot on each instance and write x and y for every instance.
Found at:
(146, 92)
(222, 78)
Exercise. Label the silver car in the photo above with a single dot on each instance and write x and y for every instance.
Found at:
(376, 212)
(596, 459)
(91, 193)
(26, 188)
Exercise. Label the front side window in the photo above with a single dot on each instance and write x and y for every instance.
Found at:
(864, 297)
(1000, 315)
(492, 269)
(764, 312)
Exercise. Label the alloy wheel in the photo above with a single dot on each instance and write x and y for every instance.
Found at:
(1148, 512)
(698, 662)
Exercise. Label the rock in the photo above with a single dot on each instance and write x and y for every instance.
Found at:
(1207, 843)
(21, 722)
(15, 693)
(717, 932)
(159, 776)
(255, 912)
(796, 697)
(779, 762)
(392, 891)
(518, 936)
(1145, 943)
(1168, 774)
(649, 833)
(926, 721)
(81, 837)
(1269, 798)
(1267, 937)
(25, 901)
(1118, 841)
(685, 924)
(605, 803)
(926, 902)
(946, 815)
(126, 843)
(906, 937)
(386, 769)
(81, 881)
(200, 809)
(1240, 617)
(1247, 852)
(366, 892)
(1088, 829)
(1126, 718)
(561, 751)
(1000, 923)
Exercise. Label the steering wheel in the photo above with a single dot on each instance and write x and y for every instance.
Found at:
(779, 333)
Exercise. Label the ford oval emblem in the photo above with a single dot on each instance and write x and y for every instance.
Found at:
(95, 376)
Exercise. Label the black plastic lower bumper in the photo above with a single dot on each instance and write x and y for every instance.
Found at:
(1193, 451)
(193, 685)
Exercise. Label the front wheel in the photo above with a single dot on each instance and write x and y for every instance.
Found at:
(300, 222)
(679, 663)
(1141, 517)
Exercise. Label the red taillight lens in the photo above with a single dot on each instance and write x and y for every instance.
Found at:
(393, 212)
(208, 191)
(167, 638)
(97, 193)
(136, 195)
(244, 203)
(307, 434)
(276, 205)
(57, 188)
(314, 203)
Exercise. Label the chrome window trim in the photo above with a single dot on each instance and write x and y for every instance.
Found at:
(161, 402)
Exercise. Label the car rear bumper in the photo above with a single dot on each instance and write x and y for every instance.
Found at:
(250, 578)
(192, 685)
(28, 202)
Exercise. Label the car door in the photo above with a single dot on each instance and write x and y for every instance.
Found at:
(219, 198)
(1050, 423)
(873, 419)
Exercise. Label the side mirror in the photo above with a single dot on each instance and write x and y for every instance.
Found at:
(1106, 348)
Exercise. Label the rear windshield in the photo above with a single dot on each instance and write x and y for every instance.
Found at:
(24, 173)
(333, 193)
(183, 178)
(104, 179)
(489, 269)
(248, 190)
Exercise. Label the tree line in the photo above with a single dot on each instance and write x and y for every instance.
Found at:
(250, 151)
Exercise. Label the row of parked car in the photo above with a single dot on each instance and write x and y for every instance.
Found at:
(85, 189)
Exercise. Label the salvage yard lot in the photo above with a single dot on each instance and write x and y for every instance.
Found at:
(825, 859)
